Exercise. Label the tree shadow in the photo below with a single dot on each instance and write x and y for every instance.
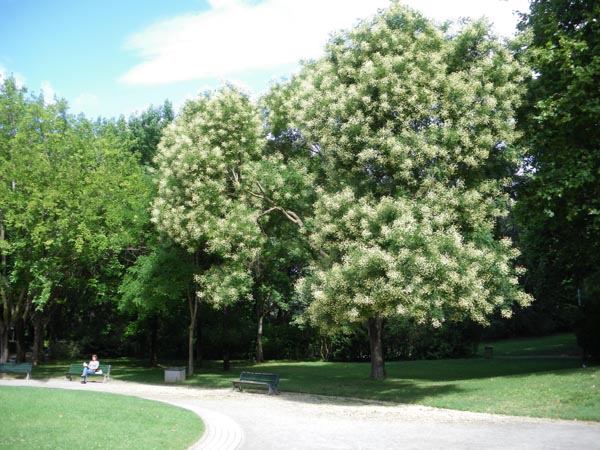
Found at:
(408, 382)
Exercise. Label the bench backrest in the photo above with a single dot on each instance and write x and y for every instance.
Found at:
(271, 378)
(16, 367)
(78, 368)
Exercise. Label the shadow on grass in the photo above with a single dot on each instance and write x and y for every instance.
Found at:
(392, 394)
(407, 381)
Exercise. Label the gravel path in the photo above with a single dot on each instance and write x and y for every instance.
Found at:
(256, 421)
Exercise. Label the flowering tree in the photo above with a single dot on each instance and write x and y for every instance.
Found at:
(412, 128)
(202, 202)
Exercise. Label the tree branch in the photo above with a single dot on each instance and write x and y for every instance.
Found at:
(290, 215)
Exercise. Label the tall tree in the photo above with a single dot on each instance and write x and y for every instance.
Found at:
(413, 129)
(71, 199)
(202, 204)
(559, 201)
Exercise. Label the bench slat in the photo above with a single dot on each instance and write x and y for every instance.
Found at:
(77, 369)
(269, 380)
(17, 368)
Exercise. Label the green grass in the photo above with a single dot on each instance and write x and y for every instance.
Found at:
(548, 387)
(59, 419)
(552, 388)
(558, 344)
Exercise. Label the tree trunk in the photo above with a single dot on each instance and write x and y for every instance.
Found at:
(225, 342)
(39, 331)
(4, 307)
(20, 335)
(3, 343)
(154, 341)
(376, 342)
(259, 346)
(192, 326)
(193, 302)
(324, 348)
(199, 344)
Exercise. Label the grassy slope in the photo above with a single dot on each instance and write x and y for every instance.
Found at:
(59, 419)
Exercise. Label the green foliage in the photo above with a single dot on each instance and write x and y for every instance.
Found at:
(146, 130)
(559, 200)
(156, 280)
(71, 200)
(68, 350)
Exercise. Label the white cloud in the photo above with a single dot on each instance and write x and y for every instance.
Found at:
(19, 78)
(501, 13)
(85, 102)
(237, 36)
(48, 93)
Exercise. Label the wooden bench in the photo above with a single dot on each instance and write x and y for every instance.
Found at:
(17, 368)
(77, 369)
(256, 379)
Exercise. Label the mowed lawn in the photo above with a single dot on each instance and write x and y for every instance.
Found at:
(563, 344)
(537, 387)
(38, 418)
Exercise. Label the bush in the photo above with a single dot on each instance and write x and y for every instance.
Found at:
(587, 329)
(65, 349)
(406, 339)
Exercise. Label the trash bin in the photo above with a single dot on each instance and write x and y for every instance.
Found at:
(488, 352)
(174, 374)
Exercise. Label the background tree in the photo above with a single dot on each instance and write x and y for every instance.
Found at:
(146, 130)
(559, 202)
(413, 129)
(153, 284)
(71, 200)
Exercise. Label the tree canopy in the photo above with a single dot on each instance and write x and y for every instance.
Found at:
(559, 199)
(71, 200)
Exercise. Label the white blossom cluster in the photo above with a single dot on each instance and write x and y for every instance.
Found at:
(408, 257)
(415, 127)
(202, 163)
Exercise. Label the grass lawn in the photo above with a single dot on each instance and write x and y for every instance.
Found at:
(38, 418)
(551, 387)
(537, 388)
(557, 344)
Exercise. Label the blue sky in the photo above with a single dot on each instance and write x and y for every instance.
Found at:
(115, 57)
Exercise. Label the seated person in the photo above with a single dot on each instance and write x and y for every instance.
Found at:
(90, 368)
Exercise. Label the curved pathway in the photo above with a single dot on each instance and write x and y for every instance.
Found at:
(256, 421)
